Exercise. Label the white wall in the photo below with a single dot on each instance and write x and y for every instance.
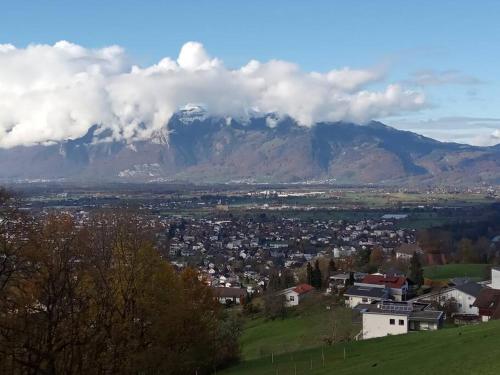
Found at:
(463, 300)
(378, 325)
(353, 301)
(291, 299)
(495, 278)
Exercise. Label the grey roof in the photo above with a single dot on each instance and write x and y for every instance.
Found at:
(415, 311)
(224, 292)
(460, 280)
(341, 276)
(365, 291)
(471, 288)
(426, 315)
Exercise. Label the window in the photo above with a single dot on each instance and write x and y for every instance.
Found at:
(401, 322)
(292, 298)
(392, 322)
(364, 299)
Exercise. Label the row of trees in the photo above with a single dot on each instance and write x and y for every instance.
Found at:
(98, 299)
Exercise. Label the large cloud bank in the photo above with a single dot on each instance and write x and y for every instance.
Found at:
(54, 92)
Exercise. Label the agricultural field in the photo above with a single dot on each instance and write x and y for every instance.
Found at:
(477, 272)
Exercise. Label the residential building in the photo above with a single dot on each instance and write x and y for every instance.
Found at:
(395, 318)
(356, 295)
(295, 294)
(398, 285)
(229, 295)
(463, 295)
(488, 304)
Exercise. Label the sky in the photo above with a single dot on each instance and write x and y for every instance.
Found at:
(427, 66)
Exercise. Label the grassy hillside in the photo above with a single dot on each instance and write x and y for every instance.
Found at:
(444, 272)
(466, 350)
(306, 326)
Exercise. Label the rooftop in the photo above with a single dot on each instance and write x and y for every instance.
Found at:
(389, 281)
(414, 311)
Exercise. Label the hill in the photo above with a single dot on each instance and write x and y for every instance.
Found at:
(464, 350)
(306, 326)
(196, 147)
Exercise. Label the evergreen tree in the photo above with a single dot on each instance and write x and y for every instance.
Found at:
(416, 270)
(332, 267)
(287, 280)
(316, 276)
(274, 280)
(309, 274)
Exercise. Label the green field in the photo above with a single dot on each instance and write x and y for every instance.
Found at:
(448, 271)
(305, 327)
(465, 350)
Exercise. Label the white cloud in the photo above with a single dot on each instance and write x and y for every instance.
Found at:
(51, 93)
(479, 131)
(431, 77)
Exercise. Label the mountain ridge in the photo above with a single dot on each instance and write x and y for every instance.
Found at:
(195, 147)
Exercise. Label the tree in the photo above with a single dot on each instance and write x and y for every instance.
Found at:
(416, 271)
(316, 278)
(331, 267)
(362, 258)
(287, 279)
(376, 257)
(309, 274)
(466, 251)
(274, 280)
(274, 306)
(99, 299)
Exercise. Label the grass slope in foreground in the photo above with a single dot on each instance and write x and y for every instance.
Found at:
(306, 326)
(465, 350)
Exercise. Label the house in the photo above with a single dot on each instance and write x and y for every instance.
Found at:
(495, 278)
(396, 318)
(398, 285)
(340, 280)
(295, 294)
(229, 295)
(356, 295)
(405, 251)
(464, 295)
(488, 304)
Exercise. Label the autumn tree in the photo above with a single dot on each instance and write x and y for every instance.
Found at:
(466, 251)
(376, 258)
(98, 298)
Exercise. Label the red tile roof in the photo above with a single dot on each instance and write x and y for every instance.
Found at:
(303, 288)
(391, 281)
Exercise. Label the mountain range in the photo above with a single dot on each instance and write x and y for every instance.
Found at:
(196, 147)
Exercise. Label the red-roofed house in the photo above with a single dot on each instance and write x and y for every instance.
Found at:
(295, 294)
(397, 285)
(488, 303)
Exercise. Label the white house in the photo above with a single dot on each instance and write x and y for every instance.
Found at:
(356, 295)
(396, 318)
(295, 294)
(227, 295)
(495, 278)
(464, 296)
(398, 285)
(405, 251)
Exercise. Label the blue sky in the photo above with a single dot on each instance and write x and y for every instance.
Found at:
(448, 49)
